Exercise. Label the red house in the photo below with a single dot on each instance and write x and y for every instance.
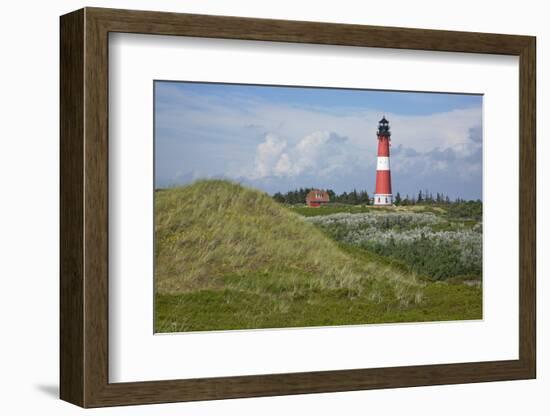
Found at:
(316, 197)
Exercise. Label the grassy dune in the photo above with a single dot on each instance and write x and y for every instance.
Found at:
(230, 257)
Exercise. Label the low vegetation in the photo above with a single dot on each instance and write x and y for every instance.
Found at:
(230, 257)
(430, 244)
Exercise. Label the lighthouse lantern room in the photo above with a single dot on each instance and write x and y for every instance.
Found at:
(383, 193)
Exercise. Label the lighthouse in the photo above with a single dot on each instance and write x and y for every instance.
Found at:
(382, 194)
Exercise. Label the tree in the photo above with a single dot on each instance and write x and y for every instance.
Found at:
(419, 199)
(343, 197)
(364, 198)
(397, 199)
(279, 197)
(353, 198)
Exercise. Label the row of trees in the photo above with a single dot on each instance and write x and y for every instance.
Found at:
(298, 196)
(355, 197)
(426, 198)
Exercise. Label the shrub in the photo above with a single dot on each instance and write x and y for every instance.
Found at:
(429, 244)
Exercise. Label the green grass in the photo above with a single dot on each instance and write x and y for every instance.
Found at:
(332, 209)
(229, 257)
(358, 209)
(233, 309)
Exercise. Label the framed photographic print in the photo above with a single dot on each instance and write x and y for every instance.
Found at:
(255, 207)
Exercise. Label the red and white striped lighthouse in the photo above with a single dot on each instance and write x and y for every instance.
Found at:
(382, 194)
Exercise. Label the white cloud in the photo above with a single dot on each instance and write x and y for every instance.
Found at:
(268, 154)
(320, 152)
(283, 166)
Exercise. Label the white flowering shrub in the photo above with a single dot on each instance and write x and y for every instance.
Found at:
(430, 244)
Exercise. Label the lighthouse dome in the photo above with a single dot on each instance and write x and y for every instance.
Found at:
(384, 128)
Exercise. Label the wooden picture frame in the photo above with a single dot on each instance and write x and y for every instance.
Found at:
(84, 207)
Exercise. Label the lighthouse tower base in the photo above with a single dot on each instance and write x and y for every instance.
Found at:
(383, 199)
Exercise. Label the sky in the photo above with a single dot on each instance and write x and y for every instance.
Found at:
(281, 138)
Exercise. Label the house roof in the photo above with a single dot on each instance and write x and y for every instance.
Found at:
(317, 195)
